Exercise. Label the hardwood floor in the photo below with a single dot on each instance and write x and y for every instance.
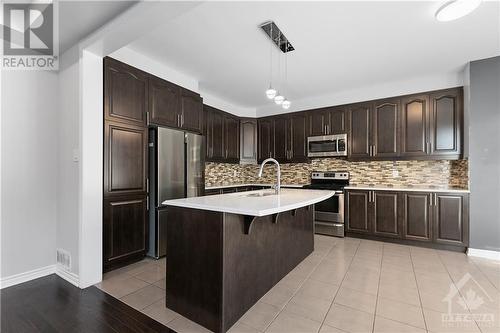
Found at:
(50, 304)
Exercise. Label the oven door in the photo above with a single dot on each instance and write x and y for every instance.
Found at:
(330, 210)
(321, 146)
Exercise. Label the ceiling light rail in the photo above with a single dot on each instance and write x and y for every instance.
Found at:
(277, 36)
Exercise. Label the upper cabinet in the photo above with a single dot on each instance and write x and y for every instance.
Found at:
(222, 131)
(174, 106)
(385, 126)
(265, 134)
(248, 141)
(283, 137)
(327, 121)
(126, 97)
(191, 111)
(415, 126)
(163, 103)
(446, 122)
(360, 132)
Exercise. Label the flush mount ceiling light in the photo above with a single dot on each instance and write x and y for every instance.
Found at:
(455, 9)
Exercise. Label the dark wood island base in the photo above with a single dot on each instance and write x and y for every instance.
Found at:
(220, 264)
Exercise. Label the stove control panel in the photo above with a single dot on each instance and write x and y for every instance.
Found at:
(341, 175)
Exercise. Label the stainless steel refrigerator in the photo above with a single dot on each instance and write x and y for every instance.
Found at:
(176, 170)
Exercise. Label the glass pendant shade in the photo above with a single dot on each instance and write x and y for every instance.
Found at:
(271, 92)
(279, 99)
(286, 104)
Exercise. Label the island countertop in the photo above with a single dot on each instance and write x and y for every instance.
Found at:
(242, 203)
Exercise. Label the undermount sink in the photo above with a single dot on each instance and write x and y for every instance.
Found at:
(260, 194)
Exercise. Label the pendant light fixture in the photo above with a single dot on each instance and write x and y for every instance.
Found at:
(455, 9)
(271, 92)
(277, 37)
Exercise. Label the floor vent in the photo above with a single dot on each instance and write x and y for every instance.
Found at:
(64, 259)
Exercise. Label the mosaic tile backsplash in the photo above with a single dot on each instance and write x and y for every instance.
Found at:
(440, 173)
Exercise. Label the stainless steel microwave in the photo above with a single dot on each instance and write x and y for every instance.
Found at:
(327, 145)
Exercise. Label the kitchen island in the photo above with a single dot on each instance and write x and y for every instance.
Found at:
(224, 252)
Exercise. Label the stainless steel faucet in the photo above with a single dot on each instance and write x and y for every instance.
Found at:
(277, 187)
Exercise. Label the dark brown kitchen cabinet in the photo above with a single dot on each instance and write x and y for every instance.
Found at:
(385, 214)
(265, 136)
(281, 139)
(164, 98)
(248, 141)
(125, 159)
(222, 131)
(385, 128)
(124, 229)
(191, 111)
(416, 217)
(451, 219)
(232, 138)
(337, 123)
(126, 97)
(414, 126)
(358, 212)
(318, 121)
(440, 219)
(446, 122)
(174, 106)
(359, 131)
(297, 147)
(326, 121)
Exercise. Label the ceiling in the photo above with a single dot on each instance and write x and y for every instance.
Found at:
(338, 45)
(77, 19)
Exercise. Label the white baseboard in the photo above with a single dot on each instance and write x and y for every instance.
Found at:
(68, 276)
(27, 276)
(488, 254)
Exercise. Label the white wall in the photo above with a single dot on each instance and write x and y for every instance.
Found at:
(68, 145)
(381, 90)
(29, 135)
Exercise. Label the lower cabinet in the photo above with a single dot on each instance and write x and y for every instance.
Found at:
(124, 229)
(435, 218)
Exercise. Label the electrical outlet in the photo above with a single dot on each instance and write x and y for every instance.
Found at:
(395, 173)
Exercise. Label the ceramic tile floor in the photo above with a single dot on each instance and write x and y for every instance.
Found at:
(347, 285)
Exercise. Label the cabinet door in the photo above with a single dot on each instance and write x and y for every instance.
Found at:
(451, 223)
(215, 134)
(337, 121)
(359, 129)
(232, 139)
(414, 129)
(164, 103)
(416, 218)
(191, 111)
(358, 212)
(446, 122)
(124, 228)
(298, 138)
(248, 141)
(126, 93)
(385, 128)
(318, 121)
(281, 133)
(385, 214)
(265, 138)
(125, 159)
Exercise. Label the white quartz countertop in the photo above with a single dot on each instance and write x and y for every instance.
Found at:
(241, 203)
(216, 187)
(406, 188)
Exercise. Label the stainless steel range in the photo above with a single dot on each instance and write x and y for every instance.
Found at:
(329, 214)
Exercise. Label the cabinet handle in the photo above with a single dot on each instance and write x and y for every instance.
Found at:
(327, 129)
(374, 150)
(369, 196)
(435, 199)
(182, 119)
